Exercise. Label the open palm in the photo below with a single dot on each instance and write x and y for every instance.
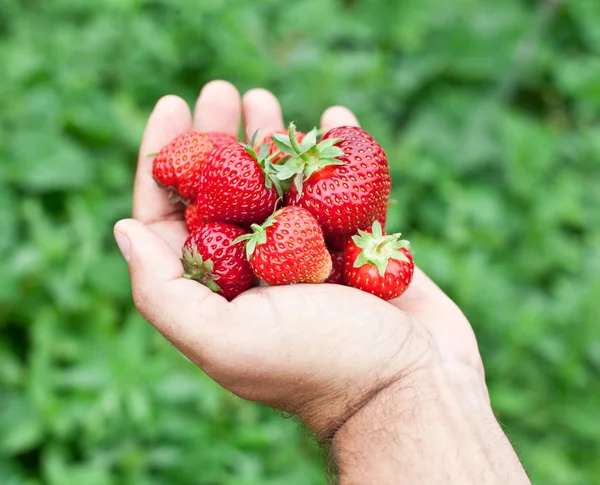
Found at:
(317, 351)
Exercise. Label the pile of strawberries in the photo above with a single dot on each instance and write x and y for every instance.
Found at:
(290, 209)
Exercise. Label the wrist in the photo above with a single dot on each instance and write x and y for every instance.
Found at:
(434, 425)
(423, 390)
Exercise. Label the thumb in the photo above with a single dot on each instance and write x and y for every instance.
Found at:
(151, 261)
(184, 311)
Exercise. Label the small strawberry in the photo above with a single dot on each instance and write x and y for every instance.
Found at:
(211, 258)
(178, 164)
(344, 180)
(219, 139)
(336, 276)
(193, 218)
(273, 148)
(288, 248)
(236, 185)
(378, 263)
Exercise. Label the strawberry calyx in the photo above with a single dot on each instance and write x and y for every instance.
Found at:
(258, 235)
(265, 162)
(378, 249)
(172, 194)
(175, 198)
(307, 157)
(199, 270)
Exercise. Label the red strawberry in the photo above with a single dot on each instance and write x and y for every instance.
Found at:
(378, 263)
(211, 258)
(273, 148)
(337, 273)
(288, 248)
(382, 219)
(344, 181)
(236, 186)
(178, 164)
(193, 218)
(220, 139)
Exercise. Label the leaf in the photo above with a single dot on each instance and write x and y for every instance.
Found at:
(52, 162)
(283, 143)
(21, 427)
(8, 219)
(264, 151)
(309, 140)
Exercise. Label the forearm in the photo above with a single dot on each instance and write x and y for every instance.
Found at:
(429, 428)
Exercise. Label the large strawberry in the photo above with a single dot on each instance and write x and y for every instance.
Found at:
(288, 248)
(236, 185)
(273, 148)
(378, 263)
(344, 180)
(211, 258)
(219, 139)
(177, 165)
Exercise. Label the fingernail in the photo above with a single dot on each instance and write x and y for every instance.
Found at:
(124, 245)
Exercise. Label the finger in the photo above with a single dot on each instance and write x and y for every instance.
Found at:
(170, 118)
(218, 108)
(262, 112)
(337, 116)
(184, 311)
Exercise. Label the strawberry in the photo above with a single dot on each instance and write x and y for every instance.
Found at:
(211, 258)
(378, 263)
(383, 219)
(236, 186)
(344, 180)
(288, 248)
(193, 218)
(336, 276)
(219, 139)
(273, 148)
(178, 164)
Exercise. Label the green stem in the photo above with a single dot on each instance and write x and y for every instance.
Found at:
(294, 142)
(272, 157)
(379, 247)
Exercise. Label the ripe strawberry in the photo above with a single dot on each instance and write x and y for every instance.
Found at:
(288, 248)
(211, 258)
(273, 148)
(383, 219)
(193, 218)
(178, 164)
(378, 263)
(236, 186)
(344, 180)
(336, 276)
(219, 139)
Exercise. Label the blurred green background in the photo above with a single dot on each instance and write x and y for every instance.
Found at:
(490, 114)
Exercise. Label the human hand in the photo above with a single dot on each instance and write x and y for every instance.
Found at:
(320, 352)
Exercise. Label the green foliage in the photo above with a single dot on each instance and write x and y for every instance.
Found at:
(489, 112)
